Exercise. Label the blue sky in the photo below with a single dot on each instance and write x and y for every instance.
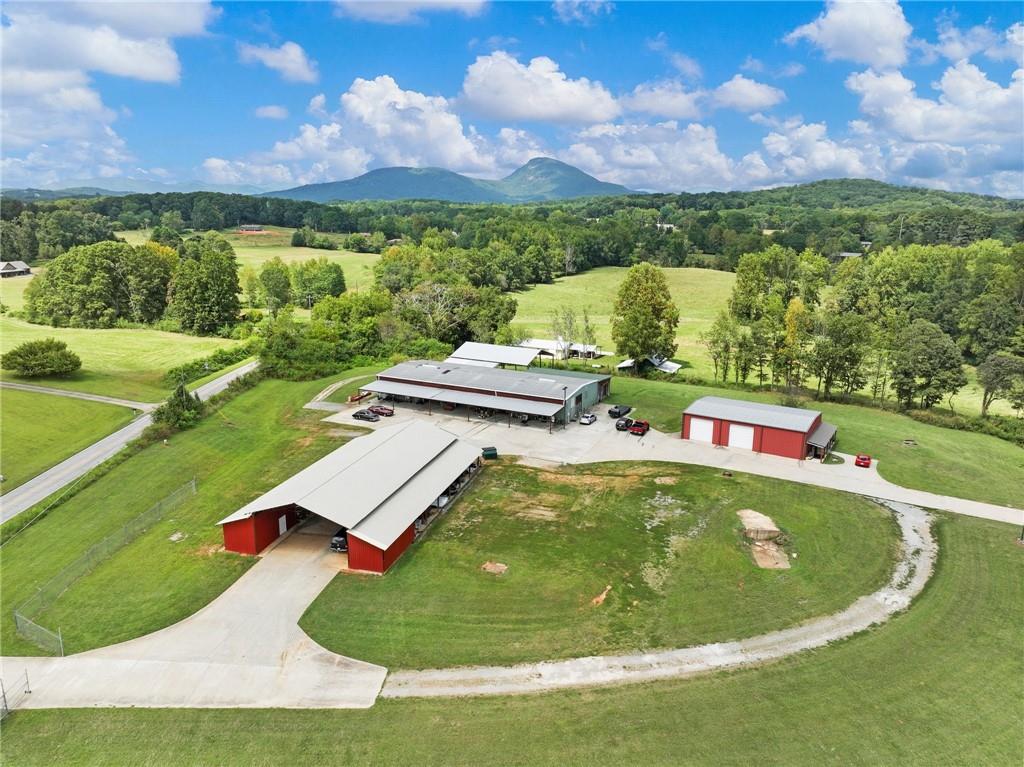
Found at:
(661, 96)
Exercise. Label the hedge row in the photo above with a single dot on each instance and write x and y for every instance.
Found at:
(193, 371)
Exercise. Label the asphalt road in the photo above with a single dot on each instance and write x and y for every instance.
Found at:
(67, 471)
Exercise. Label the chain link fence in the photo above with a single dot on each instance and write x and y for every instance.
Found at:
(27, 613)
(13, 693)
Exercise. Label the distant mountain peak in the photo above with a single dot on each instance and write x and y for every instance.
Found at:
(540, 179)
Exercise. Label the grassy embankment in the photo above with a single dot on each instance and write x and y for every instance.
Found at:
(249, 445)
(665, 537)
(939, 684)
(38, 431)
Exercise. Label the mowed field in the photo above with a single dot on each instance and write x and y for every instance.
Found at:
(957, 463)
(252, 443)
(38, 431)
(700, 294)
(117, 362)
(938, 684)
(664, 537)
(255, 249)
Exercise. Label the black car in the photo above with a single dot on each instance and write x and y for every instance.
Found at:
(623, 424)
(618, 411)
(365, 415)
(339, 542)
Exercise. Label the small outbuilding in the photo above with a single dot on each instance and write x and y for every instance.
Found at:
(379, 488)
(787, 431)
(492, 355)
(14, 268)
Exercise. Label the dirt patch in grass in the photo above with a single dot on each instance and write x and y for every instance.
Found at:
(495, 568)
(768, 555)
(665, 480)
(209, 549)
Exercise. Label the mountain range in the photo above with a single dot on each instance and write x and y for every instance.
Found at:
(542, 178)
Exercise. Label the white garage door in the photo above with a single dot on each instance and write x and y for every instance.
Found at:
(701, 429)
(741, 436)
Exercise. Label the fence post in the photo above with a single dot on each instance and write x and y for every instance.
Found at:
(28, 687)
(3, 693)
(60, 639)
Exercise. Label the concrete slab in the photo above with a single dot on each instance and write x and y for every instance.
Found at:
(245, 649)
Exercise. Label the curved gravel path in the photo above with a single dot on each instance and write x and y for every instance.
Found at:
(909, 577)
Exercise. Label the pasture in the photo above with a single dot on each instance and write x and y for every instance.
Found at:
(664, 537)
(699, 294)
(935, 685)
(116, 362)
(38, 431)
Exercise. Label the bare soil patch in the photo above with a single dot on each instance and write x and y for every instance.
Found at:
(665, 480)
(768, 555)
(495, 568)
(599, 599)
(209, 549)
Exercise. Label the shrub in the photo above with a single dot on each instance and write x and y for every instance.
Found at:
(181, 410)
(46, 357)
(196, 369)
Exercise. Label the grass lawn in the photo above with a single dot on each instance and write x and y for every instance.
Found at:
(700, 294)
(38, 431)
(362, 376)
(939, 684)
(117, 362)
(255, 441)
(665, 537)
(255, 249)
(12, 290)
(945, 461)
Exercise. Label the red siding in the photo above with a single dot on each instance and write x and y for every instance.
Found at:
(789, 444)
(366, 556)
(252, 535)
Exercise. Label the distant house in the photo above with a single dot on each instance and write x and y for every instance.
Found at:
(848, 254)
(14, 269)
(666, 227)
(250, 228)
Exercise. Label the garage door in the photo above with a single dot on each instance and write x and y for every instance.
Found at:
(741, 436)
(701, 429)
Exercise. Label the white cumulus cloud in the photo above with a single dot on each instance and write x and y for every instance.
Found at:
(874, 33)
(289, 60)
(499, 86)
(403, 11)
(746, 95)
(667, 98)
(271, 112)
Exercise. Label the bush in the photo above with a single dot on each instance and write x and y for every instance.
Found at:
(46, 357)
(181, 410)
(193, 371)
(1003, 427)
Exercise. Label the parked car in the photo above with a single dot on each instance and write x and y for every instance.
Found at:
(623, 424)
(365, 415)
(617, 411)
(339, 542)
(864, 461)
(383, 410)
(587, 418)
(639, 428)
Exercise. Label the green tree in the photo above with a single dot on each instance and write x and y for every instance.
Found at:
(166, 236)
(206, 216)
(926, 365)
(171, 219)
(45, 357)
(204, 292)
(840, 345)
(276, 283)
(181, 410)
(998, 375)
(316, 279)
(798, 323)
(644, 318)
(721, 340)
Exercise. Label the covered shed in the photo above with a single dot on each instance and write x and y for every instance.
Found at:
(787, 431)
(376, 487)
(558, 349)
(555, 396)
(14, 268)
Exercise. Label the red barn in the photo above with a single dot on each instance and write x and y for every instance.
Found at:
(376, 487)
(787, 431)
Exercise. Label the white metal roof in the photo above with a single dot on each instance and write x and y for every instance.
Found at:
(502, 355)
(757, 413)
(659, 363)
(524, 383)
(474, 363)
(823, 435)
(13, 265)
(489, 401)
(553, 346)
(360, 478)
(383, 526)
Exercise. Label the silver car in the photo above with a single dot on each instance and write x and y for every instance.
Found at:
(587, 418)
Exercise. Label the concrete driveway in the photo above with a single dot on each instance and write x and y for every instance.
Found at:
(245, 649)
(600, 442)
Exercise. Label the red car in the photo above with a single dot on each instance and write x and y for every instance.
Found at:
(639, 428)
(864, 461)
(383, 410)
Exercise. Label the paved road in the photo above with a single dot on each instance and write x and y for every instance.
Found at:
(67, 471)
(243, 650)
(908, 579)
(600, 442)
(319, 402)
(144, 407)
